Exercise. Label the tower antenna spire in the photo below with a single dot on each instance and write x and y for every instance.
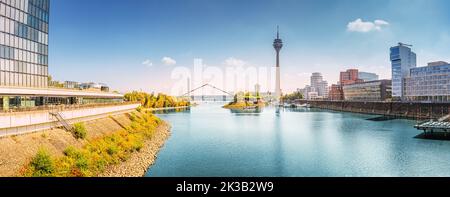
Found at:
(278, 32)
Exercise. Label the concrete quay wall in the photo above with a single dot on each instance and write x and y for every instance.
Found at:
(397, 109)
(33, 121)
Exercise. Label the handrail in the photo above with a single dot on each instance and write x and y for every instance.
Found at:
(61, 120)
(63, 107)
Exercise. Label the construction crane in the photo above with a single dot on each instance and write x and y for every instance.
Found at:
(403, 44)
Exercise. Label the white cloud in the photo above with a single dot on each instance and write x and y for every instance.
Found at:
(366, 26)
(381, 22)
(148, 63)
(168, 61)
(234, 62)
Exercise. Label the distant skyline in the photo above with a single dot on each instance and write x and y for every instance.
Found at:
(135, 45)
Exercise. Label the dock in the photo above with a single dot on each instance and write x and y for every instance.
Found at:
(433, 126)
(435, 129)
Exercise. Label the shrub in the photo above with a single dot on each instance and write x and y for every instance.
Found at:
(79, 131)
(139, 109)
(42, 164)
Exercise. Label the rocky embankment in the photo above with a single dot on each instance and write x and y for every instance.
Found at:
(17, 151)
(139, 162)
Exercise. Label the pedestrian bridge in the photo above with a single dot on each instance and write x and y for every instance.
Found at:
(223, 95)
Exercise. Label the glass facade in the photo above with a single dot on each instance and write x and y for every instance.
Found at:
(365, 76)
(24, 43)
(402, 59)
(430, 83)
(368, 91)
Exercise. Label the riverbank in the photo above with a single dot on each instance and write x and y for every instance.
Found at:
(128, 142)
(17, 151)
(392, 109)
(138, 164)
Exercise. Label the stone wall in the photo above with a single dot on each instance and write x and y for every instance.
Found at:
(405, 110)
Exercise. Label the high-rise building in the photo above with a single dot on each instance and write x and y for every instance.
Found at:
(402, 59)
(320, 86)
(277, 45)
(349, 76)
(24, 77)
(316, 78)
(366, 76)
(323, 89)
(24, 43)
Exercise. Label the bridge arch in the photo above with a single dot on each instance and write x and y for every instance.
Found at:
(225, 97)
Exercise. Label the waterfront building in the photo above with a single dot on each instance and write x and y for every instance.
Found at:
(429, 84)
(402, 59)
(323, 89)
(336, 93)
(349, 76)
(313, 96)
(24, 76)
(437, 63)
(320, 86)
(71, 85)
(380, 90)
(366, 76)
(307, 90)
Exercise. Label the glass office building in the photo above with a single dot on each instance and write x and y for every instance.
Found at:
(24, 83)
(402, 59)
(24, 43)
(429, 84)
(368, 91)
(366, 76)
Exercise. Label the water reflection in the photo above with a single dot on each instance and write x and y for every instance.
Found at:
(247, 112)
(211, 141)
(169, 111)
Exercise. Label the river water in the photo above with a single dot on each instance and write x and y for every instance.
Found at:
(209, 141)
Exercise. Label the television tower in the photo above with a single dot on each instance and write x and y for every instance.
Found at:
(278, 44)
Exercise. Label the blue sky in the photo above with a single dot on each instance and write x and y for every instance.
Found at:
(118, 40)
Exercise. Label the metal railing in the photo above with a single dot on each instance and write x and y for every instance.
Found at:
(62, 107)
(61, 120)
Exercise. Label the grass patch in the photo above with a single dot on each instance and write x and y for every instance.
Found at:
(97, 154)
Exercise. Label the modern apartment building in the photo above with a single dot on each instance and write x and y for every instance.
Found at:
(402, 59)
(429, 84)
